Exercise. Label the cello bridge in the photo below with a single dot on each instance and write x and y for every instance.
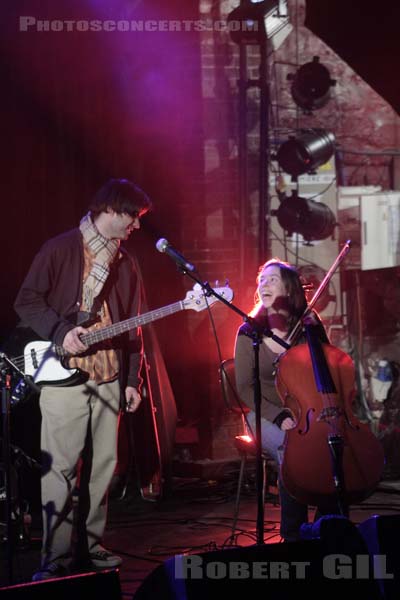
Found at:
(329, 413)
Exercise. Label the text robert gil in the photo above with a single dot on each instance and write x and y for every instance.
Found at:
(334, 566)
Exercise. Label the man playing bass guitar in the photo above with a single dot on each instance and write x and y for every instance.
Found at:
(85, 273)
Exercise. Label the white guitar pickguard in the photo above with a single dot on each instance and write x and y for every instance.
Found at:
(43, 364)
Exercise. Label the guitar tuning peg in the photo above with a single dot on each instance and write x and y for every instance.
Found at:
(226, 282)
(216, 283)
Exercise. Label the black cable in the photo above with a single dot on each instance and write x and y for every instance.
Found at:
(214, 330)
(369, 152)
(322, 192)
(279, 239)
(165, 550)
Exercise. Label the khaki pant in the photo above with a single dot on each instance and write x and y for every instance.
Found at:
(79, 455)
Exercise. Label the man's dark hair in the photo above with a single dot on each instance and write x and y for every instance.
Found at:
(122, 196)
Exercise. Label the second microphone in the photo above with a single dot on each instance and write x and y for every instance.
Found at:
(163, 245)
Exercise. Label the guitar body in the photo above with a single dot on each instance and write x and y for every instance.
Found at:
(46, 367)
(39, 360)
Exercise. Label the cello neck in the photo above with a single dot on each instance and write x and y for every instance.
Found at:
(322, 375)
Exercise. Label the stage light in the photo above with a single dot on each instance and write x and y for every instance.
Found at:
(254, 21)
(307, 152)
(311, 85)
(313, 220)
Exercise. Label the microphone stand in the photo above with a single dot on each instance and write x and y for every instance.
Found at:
(6, 369)
(257, 335)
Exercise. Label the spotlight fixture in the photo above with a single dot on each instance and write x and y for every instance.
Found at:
(256, 20)
(311, 85)
(307, 152)
(313, 220)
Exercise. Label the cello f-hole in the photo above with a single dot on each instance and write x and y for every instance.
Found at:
(308, 418)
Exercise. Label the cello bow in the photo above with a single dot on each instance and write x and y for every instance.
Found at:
(321, 288)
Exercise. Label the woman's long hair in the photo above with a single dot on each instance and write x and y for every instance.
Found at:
(296, 298)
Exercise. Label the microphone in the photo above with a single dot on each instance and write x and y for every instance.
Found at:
(163, 245)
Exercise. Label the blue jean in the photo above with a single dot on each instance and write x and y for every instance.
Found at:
(293, 513)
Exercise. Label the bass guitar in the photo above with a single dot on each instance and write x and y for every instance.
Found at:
(46, 363)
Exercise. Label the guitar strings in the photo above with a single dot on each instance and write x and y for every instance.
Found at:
(101, 335)
(24, 361)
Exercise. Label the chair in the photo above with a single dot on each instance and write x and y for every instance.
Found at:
(244, 443)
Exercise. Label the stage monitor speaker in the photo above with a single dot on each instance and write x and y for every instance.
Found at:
(382, 535)
(310, 569)
(102, 584)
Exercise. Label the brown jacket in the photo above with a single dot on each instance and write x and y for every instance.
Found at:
(51, 292)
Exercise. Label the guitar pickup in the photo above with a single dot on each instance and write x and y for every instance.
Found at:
(34, 359)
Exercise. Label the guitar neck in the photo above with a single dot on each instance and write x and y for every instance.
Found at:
(110, 331)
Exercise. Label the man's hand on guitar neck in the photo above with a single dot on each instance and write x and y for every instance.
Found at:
(72, 343)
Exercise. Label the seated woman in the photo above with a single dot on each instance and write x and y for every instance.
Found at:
(280, 302)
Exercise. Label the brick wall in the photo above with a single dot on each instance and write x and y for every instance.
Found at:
(218, 234)
(360, 119)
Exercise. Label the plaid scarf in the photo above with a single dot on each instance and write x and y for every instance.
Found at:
(104, 251)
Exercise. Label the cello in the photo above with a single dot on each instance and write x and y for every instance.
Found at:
(330, 457)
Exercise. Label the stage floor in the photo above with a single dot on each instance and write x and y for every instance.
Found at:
(194, 517)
